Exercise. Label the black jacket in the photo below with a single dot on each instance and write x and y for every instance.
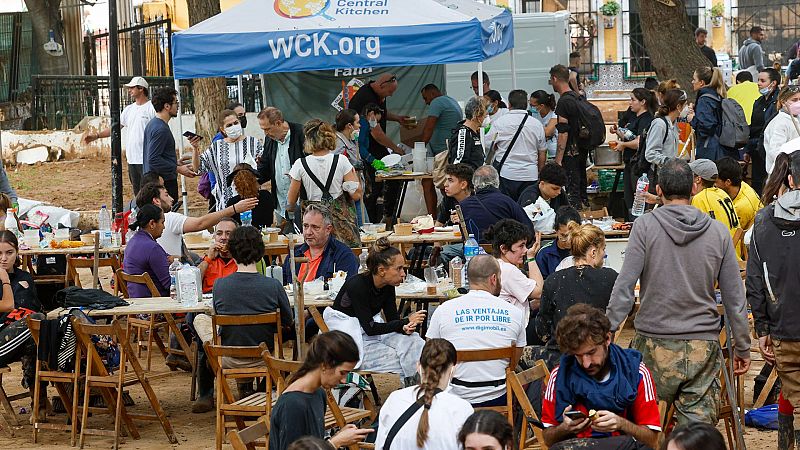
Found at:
(465, 147)
(531, 194)
(773, 280)
(266, 166)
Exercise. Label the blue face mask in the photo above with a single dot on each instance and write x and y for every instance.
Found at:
(490, 109)
(534, 112)
(763, 91)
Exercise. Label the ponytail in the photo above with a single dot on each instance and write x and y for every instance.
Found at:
(673, 100)
(583, 237)
(437, 356)
(380, 254)
(648, 97)
(712, 77)
(330, 349)
(145, 214)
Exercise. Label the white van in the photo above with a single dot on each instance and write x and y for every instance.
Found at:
(541, 40)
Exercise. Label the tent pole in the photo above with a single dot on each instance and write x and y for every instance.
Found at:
(239, 89)
(480, 95)
(513, 70)
(184, 195)
(263, 91)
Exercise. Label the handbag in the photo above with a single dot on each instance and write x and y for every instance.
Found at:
(499, 166)
(439, 164)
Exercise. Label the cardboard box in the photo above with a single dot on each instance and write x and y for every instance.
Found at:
(410, 135)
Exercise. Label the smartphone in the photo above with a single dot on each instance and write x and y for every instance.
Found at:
(190, 135)
(575, 415)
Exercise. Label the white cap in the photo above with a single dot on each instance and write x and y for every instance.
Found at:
(137, 81)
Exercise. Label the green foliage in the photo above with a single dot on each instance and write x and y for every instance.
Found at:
(610, 8)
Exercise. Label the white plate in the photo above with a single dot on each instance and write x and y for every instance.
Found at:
(391, 159)
(444, 229)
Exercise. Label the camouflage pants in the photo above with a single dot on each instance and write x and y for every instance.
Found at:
(685, 373)
(787, 361)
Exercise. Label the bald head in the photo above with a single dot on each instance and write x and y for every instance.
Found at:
(484, 274)
(385, 85)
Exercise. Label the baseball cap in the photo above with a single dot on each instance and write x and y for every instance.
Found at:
(704, 168)
(138, 81)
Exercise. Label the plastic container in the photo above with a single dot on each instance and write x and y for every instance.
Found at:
(362, 260)
(638, 199)
(104, 226)
(190, 285)
(457, 272)
(471, 250)
(247, 218)
(11, 222)
(173, 281)
(419, 157)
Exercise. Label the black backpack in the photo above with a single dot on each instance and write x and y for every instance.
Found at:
(639, 163)
(592, 128)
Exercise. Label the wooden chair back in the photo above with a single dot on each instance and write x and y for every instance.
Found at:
(272, 318)
(319, 320)
(530, 419)
(510, 354)
(666, 412)
(595, 214)
(74, 263)
(244, 439)
(279, 370)
(124, 278)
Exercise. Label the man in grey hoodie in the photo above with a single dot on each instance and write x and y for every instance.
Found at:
(751, 55)
(772, 285)
(679, 254)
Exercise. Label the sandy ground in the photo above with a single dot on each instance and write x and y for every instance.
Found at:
(58, 184)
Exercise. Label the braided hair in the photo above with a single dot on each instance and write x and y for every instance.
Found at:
(437, 357)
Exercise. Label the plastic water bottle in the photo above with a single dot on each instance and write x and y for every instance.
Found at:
(11, 222)
(104, 225)
(173, 278)
(190, 285)
(362, 260)
(247, 218)
(471, 250)
(638, 200)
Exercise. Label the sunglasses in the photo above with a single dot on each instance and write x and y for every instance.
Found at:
(792, 87)
(390, 80)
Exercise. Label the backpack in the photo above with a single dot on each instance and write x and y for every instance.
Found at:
(733, 129)
(639, 163)
(592, 128)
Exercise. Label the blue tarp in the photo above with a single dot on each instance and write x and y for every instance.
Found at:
(269, 36)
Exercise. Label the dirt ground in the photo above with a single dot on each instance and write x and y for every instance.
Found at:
(80, 184)
(84, 185)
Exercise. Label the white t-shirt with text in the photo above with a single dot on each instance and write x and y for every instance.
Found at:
(446, 417)
(478, 320)
(135, 118)
(172, 237)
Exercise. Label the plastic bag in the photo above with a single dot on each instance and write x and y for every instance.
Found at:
(542, 216)
(765, 417)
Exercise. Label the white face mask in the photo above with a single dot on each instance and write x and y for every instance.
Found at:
(373, 123)
(234, 131)
(354, 136)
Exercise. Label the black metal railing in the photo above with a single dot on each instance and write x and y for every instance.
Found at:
(145, 49)
(60, 102)
(16, 55)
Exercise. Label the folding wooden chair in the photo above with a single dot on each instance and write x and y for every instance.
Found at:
(66, 384)
(530, 419)
(506, 353)
(74, 263)
(8, 416)
(265, 319)
(111, 385)
(247, 438)
(335, 415)
(727, 411)
(256, 405)
(143, 327)
(667, 413)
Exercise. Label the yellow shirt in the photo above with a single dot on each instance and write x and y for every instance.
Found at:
(716, 203)
(747, 203)
(745, 95)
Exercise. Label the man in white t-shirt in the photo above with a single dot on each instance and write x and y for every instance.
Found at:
(475, 321)
(135, 117)
(529, 153)
(175, 224)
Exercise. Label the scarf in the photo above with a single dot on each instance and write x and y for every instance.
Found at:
(574, 385)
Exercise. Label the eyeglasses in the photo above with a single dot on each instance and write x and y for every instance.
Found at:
(390, 80)
(792, 87)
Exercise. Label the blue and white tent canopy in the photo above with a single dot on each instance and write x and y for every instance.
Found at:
(268, 36)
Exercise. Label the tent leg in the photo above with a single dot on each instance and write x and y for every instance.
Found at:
(263, 91)
(239, 84)
(184, 195)
(480, 94)
(513, 70)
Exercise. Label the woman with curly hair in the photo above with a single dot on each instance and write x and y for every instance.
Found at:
(439, 414)
(245, 179)
(324, 177)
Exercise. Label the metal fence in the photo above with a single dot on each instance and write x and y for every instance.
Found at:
(60, 102)
(779, 18)
(16, 55)
(583, 32)
(144, 48)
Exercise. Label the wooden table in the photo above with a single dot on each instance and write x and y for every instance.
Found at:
(28, 254)
(405, 178)
(422, 300)
(608, 234)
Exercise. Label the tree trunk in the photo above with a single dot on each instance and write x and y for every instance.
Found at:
(46, 16)
(669, 39)
(210, 94)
